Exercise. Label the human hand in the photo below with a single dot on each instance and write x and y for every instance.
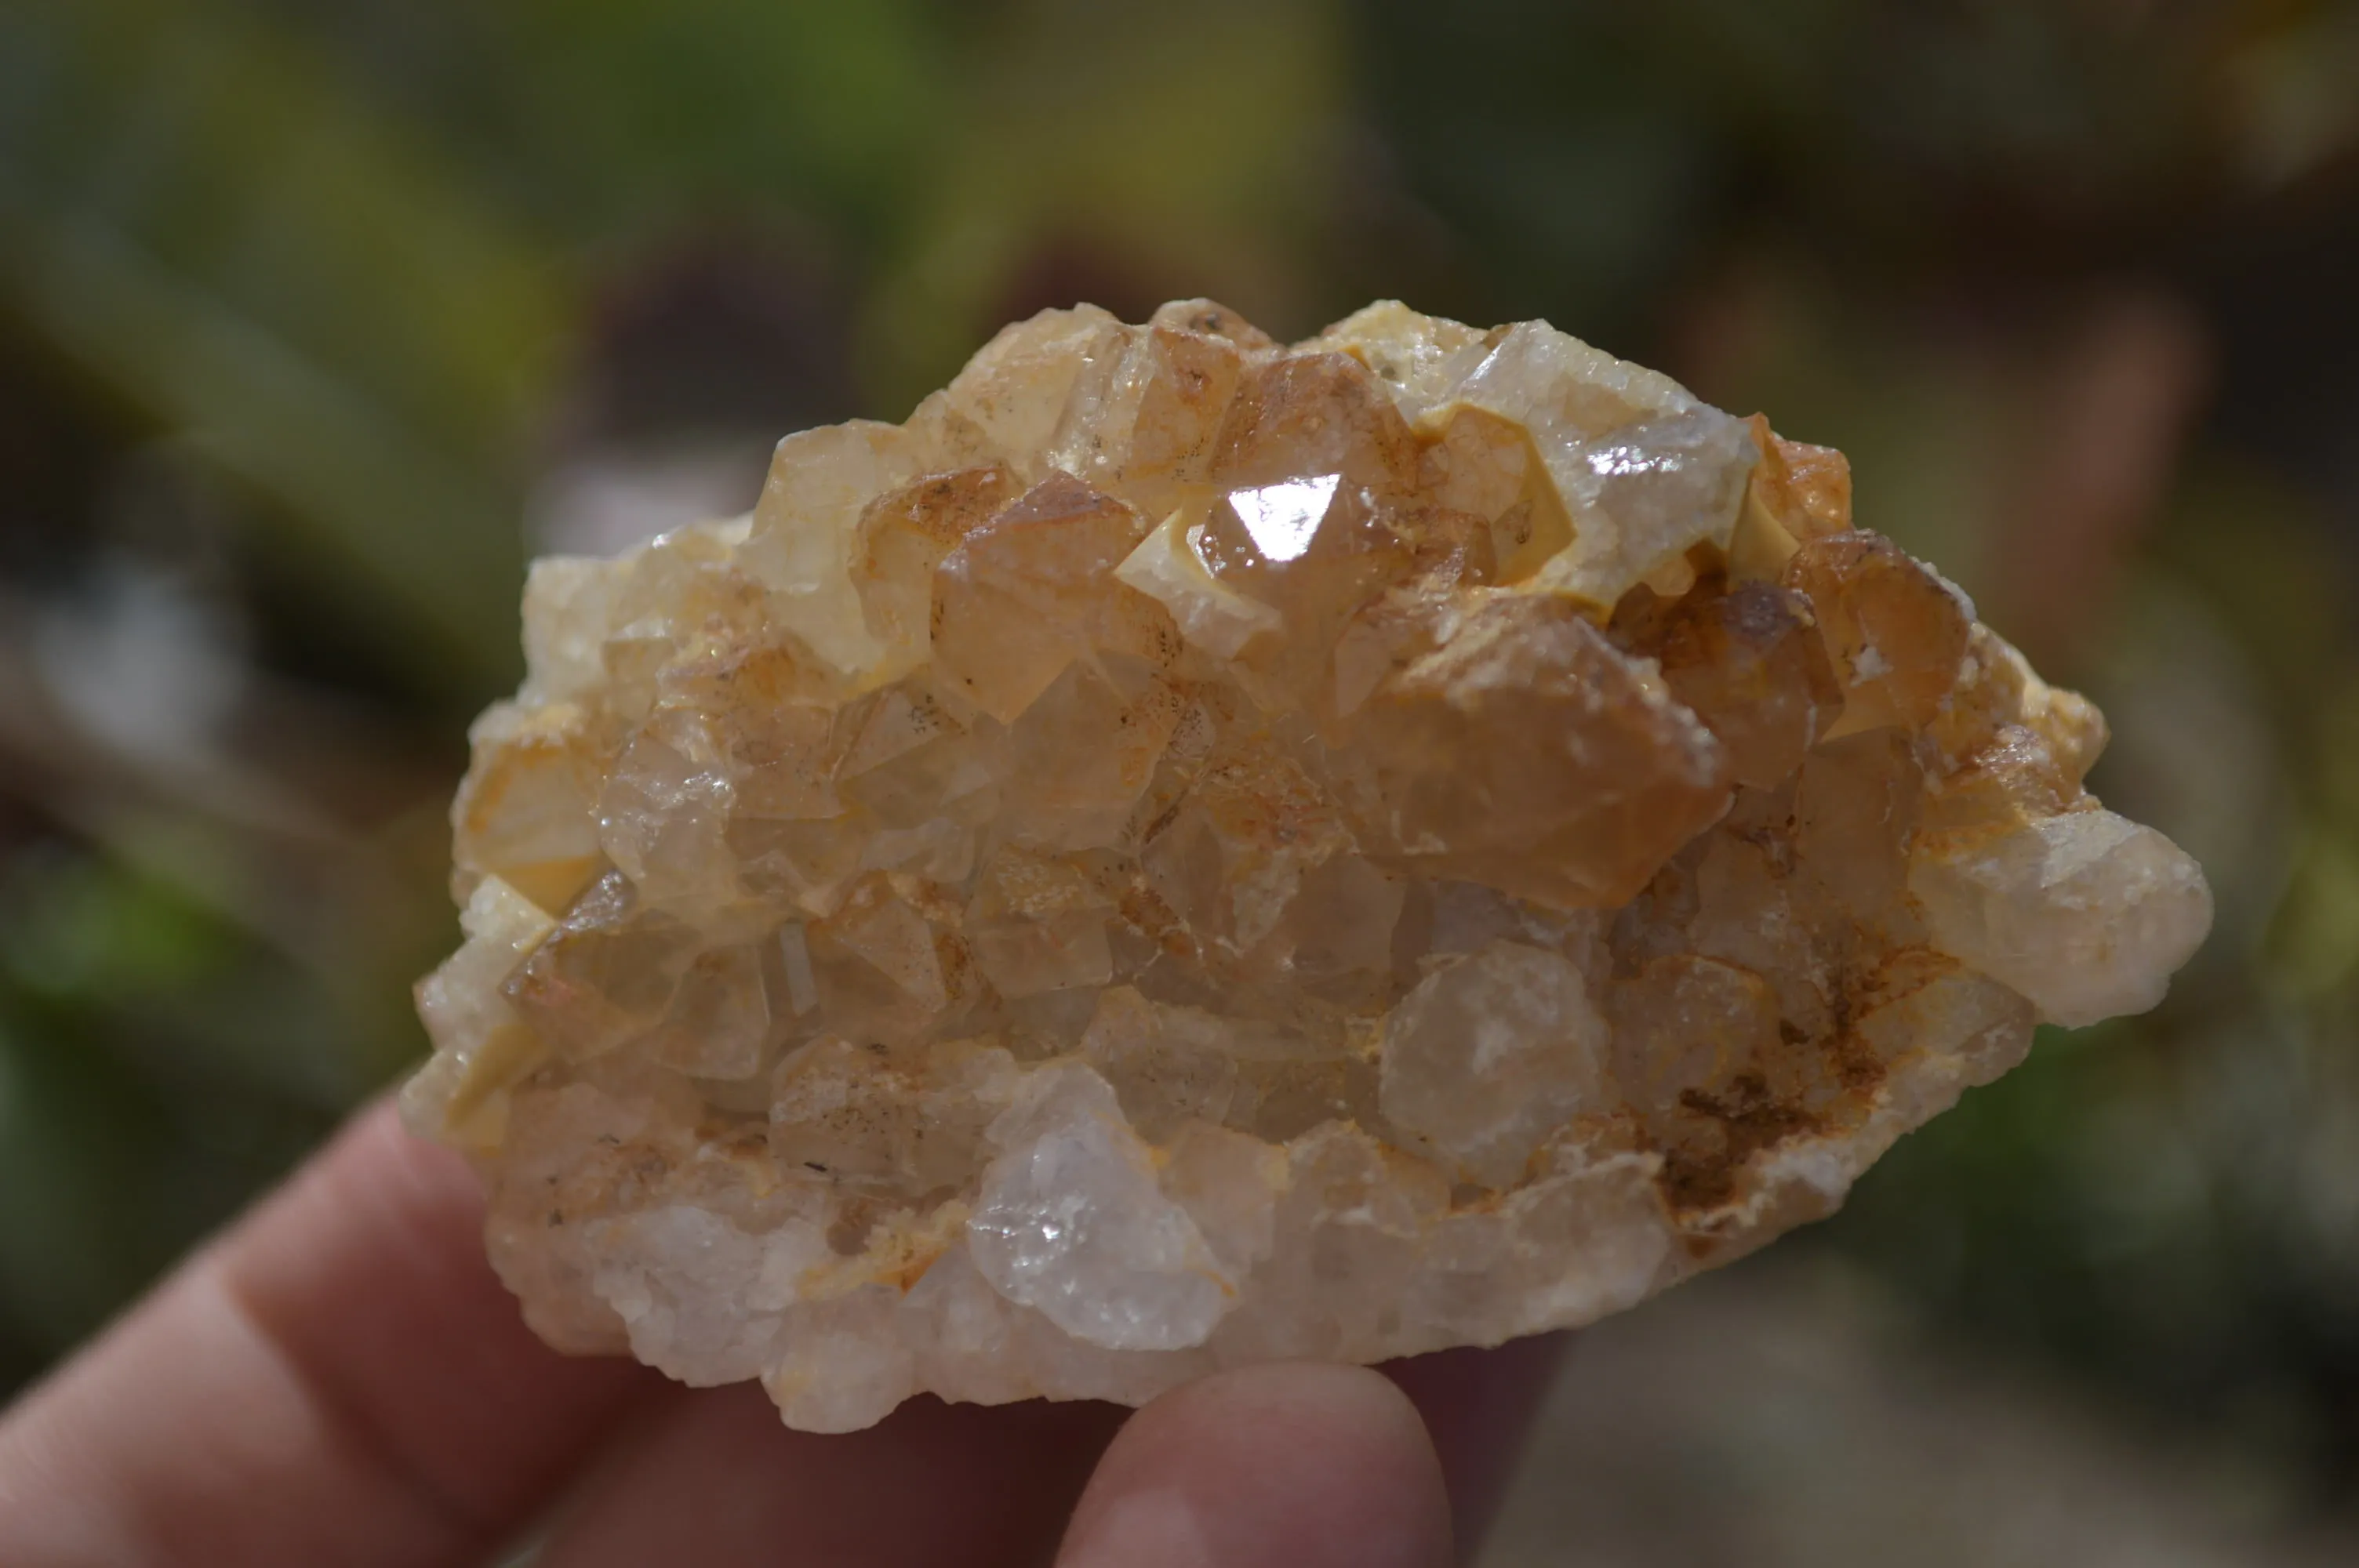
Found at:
(341, 1379)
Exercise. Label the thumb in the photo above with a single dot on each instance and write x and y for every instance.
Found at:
(1277, 1466)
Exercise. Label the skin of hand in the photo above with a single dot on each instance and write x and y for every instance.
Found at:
(340, 1380)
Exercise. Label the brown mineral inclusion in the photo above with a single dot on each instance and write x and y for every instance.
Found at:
(1190, 852)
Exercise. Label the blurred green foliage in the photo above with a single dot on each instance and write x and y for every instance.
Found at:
(303, 302)
(198, 214)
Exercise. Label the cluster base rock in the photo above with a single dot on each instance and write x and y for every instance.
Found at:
(1190, 852)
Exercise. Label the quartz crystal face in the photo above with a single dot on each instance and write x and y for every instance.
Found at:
(1190, 852)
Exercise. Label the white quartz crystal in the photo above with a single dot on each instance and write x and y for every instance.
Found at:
(2085, 913)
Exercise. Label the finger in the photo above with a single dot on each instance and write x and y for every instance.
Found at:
(1478, 1405)
(340, 1380)
(1281, 1467)
(716, 1480)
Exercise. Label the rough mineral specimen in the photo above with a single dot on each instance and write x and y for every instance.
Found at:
(1189, 850)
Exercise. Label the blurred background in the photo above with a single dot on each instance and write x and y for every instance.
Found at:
(318, 317)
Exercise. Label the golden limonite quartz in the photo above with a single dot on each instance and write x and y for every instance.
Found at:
(1191, 850)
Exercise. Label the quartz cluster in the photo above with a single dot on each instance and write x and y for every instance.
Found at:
(1189, 850)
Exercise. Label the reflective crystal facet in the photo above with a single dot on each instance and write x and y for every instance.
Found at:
(1188, 851)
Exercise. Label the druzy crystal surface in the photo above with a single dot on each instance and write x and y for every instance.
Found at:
(1190, 851)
